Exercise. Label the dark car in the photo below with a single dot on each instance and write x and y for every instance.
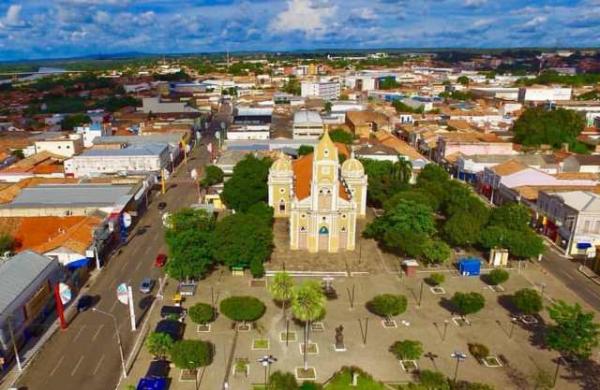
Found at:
(172, 328)
(158, 369)
(172, 312)
(162, 205)
(84, 303)
(161, 260)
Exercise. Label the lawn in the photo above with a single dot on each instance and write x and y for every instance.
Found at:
(343, 380)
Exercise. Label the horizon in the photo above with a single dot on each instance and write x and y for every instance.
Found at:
(70, 29)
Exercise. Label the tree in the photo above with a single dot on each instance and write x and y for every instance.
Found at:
(512, 216)
(382, 181)
(190, 254)
(159, 344)
(435, 252)
(18, 153)
(537, 126)
(528, 301)
(468, 303)
(7, 243)
(407, 349)
(248, 184)
(417, 195)
(72, 121)
(282, 381)
(387, 305)
(303, 150)
(462, 229)
(308, 304)
(327, 107)
(405, 216)
(574, 333)
(497, 276)
(402, 170)
(479, 351)
(292, 86)
(433, 380)
(212, 175)
(464, 80)
(341, 136)
(202, 313)
(281, 288)
(191, 354)
(521, 244)
(243, 239)
(190, 219)
(242, 308)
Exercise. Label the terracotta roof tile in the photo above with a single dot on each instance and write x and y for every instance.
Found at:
(509, 167)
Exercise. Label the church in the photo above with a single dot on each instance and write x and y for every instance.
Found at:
(321, 200)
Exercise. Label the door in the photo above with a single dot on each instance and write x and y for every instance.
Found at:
(323, 238)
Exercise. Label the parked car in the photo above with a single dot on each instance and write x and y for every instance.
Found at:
(146, 286)
(172, 312)
(162, 205)
(161, 260)
(173, 328)
(84, 303)
(158, 369)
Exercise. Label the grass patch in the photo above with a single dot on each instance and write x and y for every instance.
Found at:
(343, 380)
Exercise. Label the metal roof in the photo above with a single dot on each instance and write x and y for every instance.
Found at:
(134, 150)
(17, 273)
(305, 116)
(171, 138)
(73, 194)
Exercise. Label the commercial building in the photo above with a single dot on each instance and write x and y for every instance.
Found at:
(60, 144)
(327, 90)
(307, 125)
(250, 124)
(157, 106)
(544, 94)
(26, 298)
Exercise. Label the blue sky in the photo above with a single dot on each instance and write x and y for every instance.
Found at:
(66, 28)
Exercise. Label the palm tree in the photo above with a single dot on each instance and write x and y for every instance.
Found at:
(308, 304)
(281, 289)
(402, 169)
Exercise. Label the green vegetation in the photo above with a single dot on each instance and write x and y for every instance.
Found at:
(457, 95)
(74, 120)
(248, 184)
(528, 301)
(388, 83)
(342, 380)
(212, 175)
(242, 308)
(159, 344)
(191, 354)
(464, 80)
(591, 95)
(384, 180)
(282, 381)
(202, 313)
(574, 333)
(179, 76)
(308, 305)
(407, 349)
(292, 86)
(341, 136)
(190, 242)
(497, 276)
(552, 77)
(303, 150)
(403, 108)
(468, 303)
(387, 305)
(7, 243)
(281, 288)
(479, 351)
(435, 279)
(537, 126)
(115, 103)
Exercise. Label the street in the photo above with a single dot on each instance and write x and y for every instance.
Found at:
(86, 355)
(566, 271)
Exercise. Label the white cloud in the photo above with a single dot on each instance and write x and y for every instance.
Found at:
(304, 15)
(474, 3)
(536, 21)
(12, 17)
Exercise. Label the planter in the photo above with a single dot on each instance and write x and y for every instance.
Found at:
(317, 326)
(437, 290)
(461, 321)
(188, 376)
(244, 327)
(491, 361)
(309, 374)
(241, 367)
(260, 344)
(311, 349)
(528, 319)
(389, 324)
(258, 283)
(292, 337)
(409, 365)
(203, 328)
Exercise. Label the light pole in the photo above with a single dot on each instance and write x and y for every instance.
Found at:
(445, 329)
(266, 362)
(118, 337)
(556, 372)
(459, 356)
(513, 321)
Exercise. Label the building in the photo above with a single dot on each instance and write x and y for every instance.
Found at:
(61, 145)
(250, 124)
(541, 94)
(363, 123)
(321, 200)
(157, 106)
(26, 298)
(89, 133)
(135, 159)
(582, 163)
(571, 219)
(307, 125)
(327, 90)
(470, 143)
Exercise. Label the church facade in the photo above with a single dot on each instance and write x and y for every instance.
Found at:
(321, 199)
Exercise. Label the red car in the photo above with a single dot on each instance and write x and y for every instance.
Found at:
(160, 261)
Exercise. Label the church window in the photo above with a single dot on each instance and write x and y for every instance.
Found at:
(343, 229)
(343, 216)
(303, 216)
(282, 190)
(302, 229)
(324, 218)
(326, 152)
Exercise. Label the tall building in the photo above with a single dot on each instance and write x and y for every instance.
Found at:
(322, 200)
(327, 90)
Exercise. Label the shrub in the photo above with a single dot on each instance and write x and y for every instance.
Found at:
(242, 308)
(497, 276)
(528, 301)
(310, 386)
(387, 305)
(433, 380)
(468, 303)
(159, 344)
(282, 381)
(407, 349)
(435, 279)
(257, 269)
(479, 351)
(202, 313)
(191, 354)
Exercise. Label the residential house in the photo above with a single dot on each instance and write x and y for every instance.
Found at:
(364, 123)
(582, 163)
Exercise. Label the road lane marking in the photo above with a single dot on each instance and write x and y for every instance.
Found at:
(112, 308)
(98, 365)
(137, 267)
(79, 333)
(77, 366)
(57, 365)
(97, 332)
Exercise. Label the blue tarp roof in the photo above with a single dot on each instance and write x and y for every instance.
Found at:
(152, 384)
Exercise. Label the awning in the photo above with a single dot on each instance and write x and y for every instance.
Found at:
(73, 265)
(583, 245)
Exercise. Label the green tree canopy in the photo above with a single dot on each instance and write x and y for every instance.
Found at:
(282, 381)
(497, 276)
(159, 344)
(7, 243)
(468, 303)
(341, 136)
(387, 305)
(282, 287)
(190, 219)
(248, 184)
(407, 349)
(74, 120)
(521, 244)
(383, 181)
(308, 301)
(528, 301)
(464, 80)
(191, 354)
(303, 150)
(574, 333)
(242, 308)
(435, 252)
(512, 216)
(202, 313)
(212, 175)
(537, 126)
(463, 229)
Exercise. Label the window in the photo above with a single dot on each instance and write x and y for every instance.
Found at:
(343, 229)
(324, 218)
(343, 216)
(282, 190)
(326, 152)
(303, 216)
(302, 229)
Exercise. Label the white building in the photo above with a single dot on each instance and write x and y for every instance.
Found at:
(66, 146)
(89, 132)
(133, 159)
(328, 90)
(544, 94)
(307, 125)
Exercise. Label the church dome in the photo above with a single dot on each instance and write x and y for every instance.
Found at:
(282, 165)
(352, 168)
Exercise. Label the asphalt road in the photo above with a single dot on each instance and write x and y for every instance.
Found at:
(566, 271)
(86, 355)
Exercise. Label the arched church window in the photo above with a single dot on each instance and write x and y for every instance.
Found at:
(343, 229)
(302, 229)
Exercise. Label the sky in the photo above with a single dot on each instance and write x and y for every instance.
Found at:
(31, 29)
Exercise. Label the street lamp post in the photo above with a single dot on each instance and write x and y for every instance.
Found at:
(445, 329)
(118, 337)
(513, 321)
(459, 356)
(266, 362)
